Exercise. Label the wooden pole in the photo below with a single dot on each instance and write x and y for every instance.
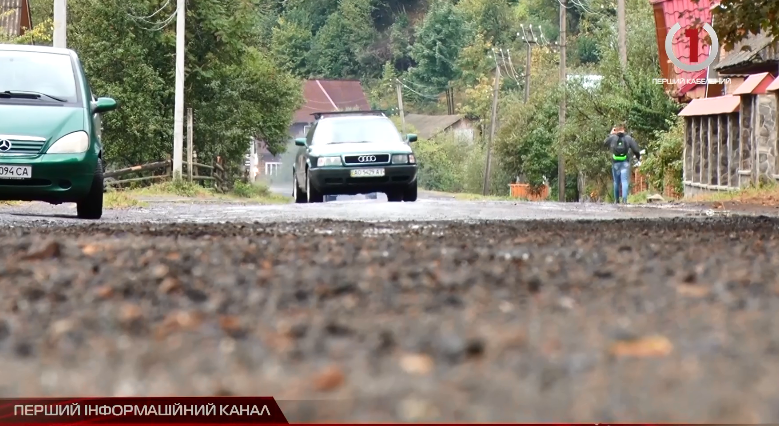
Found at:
(399, 89)
(563, 82)
(190, 160)
(494, 119)
(527, 71)
(622, 36)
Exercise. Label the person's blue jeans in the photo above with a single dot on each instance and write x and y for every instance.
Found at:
(620, 171)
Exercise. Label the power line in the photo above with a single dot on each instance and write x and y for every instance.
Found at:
(506, 67)
(152, 15)
(164, 23)
(436, 97)
(511, 64)
(422, 86)
(156, 26)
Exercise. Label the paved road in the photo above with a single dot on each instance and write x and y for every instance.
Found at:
(400, 311)
(428, 208)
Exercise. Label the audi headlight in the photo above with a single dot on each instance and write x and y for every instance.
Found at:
(328, 161)
(400, 159)
(73, 143)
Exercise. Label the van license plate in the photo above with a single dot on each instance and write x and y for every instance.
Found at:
(15, 172)
(367, 172)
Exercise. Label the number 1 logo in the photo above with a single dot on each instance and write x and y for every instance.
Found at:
(692, 35)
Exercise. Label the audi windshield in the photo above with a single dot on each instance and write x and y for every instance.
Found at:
(356, 130)
(37, 76)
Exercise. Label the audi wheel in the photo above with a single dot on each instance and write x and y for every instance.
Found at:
(312, 194)
(299, 196)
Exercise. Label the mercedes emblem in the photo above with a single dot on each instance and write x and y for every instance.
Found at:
(5, 145)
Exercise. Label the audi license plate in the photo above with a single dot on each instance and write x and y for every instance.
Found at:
(15, 172)
(367, 172)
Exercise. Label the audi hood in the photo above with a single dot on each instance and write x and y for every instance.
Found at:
(360, 148)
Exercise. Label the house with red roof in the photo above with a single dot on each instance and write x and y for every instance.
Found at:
(756, 54)
(327, 96)
(320, 96)
(687, 14)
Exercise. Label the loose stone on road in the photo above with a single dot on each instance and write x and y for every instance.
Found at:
(440, 310)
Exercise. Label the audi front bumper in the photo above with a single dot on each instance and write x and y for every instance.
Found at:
(338, 180)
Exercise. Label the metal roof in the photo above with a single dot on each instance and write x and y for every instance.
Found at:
(11, 17)
(712, 106)
(428, 126)
(773, 87)
(331, 95)
(756, 84)
(755, 48)
(686, 13)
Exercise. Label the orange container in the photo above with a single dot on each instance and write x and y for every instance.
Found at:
(524, 190)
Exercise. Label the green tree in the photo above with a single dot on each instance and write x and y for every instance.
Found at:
(400, 42)
(234, 89)
(382, 94)
(341, 47)
(528, 136)
(439, 39)
(492, 18)
(312, 13)
(735, 20)
(290, 44)
(665, 164)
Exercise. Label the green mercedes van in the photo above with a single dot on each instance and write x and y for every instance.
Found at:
(50, 147)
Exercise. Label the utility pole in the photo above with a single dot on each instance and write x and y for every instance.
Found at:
(61, 23)
(493, 123)
(450, 100)
(563, 82)
(178, 119)
(399, 89)
(622, 36)
(190, 160)
(530, 41)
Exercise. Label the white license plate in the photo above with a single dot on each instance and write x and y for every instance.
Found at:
(367, 172)
(15, 172)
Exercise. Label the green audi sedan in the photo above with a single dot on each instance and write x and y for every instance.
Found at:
(50, 147)
(354, 152)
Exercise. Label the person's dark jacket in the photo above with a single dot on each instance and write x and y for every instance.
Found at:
(632, 144)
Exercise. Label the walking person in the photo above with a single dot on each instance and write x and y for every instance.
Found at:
(621, 145)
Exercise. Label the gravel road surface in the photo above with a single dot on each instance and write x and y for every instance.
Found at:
(439, 310)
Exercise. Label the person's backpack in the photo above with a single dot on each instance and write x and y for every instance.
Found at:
(620, 149)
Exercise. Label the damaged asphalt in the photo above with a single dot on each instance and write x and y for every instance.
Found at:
(439, 310)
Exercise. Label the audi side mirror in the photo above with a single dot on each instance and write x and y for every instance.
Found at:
(300, 141)
(411, 137)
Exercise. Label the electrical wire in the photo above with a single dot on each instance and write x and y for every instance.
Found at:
(422, 86)
(509, 71)
(156, 26)
(164, 23)
(562, 5)
(144, 18)
(512, 65)
(436, 97)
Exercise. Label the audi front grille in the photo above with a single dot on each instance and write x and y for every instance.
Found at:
(366, 159)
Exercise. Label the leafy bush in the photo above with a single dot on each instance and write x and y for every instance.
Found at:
(250, 190)
(449, 164)
(663, 159)
(440, 164)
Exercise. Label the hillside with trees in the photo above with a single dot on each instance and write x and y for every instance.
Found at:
(246, 59)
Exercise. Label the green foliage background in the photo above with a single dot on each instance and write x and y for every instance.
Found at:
(246, 60)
